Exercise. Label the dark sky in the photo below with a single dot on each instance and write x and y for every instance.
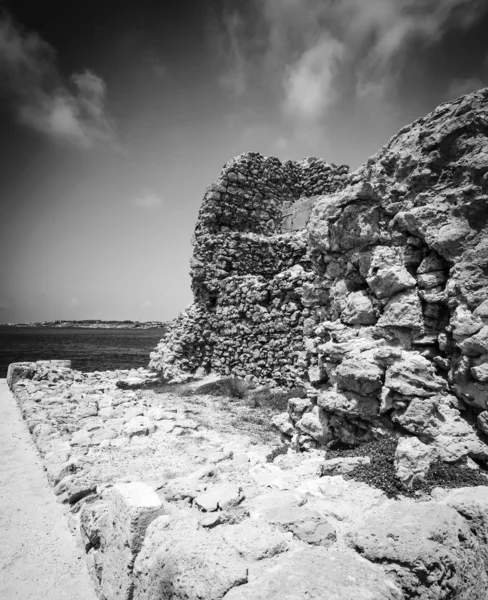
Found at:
(115, 116)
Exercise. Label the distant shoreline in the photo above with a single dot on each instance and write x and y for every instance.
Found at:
(92, 324)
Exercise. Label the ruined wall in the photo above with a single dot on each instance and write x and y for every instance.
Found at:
(379, 307)
(249, 268)
(401, 340)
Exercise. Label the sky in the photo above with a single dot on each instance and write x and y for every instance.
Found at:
(115, 116)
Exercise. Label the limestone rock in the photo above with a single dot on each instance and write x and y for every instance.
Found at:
(414, 375)
(358, 310)
(138, 426)
(319, 573)
(255, 539)
(283, 423)
(133, 506)
(306, 523)
(360, 376)
(265, 504)
(482, 421)
(182, 562)
(349, 404)
(403, 310)
(315, 424)
(472, 504)
(480, 372)
(413, 459)
(388, 281)
(476, 344)
(428, 549)
(219, 497)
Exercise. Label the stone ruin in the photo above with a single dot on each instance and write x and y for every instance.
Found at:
(369, 289)
(249, 268)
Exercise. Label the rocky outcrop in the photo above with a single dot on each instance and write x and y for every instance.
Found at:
(190, 512)
(378, 304)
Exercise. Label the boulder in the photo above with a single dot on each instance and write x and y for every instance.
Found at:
(180, 561)
(472, 504)
(283, 423)
(358, 310)
(132, 508)
(349, 404)
(315, 424)
(319, 573)
(360, 376)
(427, 548)
(403, 310)
(390, 280)
(413, 375)
(18, 371)
(476, 344)
(413, 459)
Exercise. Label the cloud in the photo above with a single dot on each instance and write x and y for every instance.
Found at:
(148, 199)
(73, 111)
(308, 82)
(234, 78)
(313, 53)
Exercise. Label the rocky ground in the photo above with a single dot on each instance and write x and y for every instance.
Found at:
(178, 496)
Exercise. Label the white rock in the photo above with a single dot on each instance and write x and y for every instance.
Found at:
(413, 458)
(133, 506)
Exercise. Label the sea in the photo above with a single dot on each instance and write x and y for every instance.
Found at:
(88, 349)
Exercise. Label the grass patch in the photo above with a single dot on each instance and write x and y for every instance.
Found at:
(232, 387)
(380, 473)
(275, 401)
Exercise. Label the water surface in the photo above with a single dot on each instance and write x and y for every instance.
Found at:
(88, 349)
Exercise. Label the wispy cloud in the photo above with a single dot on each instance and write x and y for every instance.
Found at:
(74, 111)
(308, 82)
(234, 78)
(148, 199)
(309, 51)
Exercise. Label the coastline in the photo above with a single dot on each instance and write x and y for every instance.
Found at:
(90, 324)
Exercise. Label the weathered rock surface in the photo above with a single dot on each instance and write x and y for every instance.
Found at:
(428, 549)
(132, 508)
(472, 504)
(180, 561)
(319, 573)
(413, 459)
(373, 297)
(223, 522)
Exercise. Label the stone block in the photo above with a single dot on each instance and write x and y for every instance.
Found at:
(133, 507)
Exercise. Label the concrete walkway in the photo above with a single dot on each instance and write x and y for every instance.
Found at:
(38, 556)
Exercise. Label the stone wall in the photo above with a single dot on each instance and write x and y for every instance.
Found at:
(249, 269)
(379, 307)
